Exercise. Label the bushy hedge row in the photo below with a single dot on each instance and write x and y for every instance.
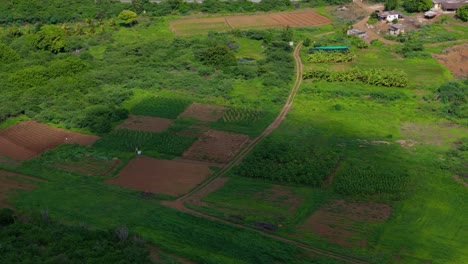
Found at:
(378, 77)
(331, 57)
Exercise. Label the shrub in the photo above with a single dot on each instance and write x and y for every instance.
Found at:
(462, 13)
(7, 54)
(6, 217)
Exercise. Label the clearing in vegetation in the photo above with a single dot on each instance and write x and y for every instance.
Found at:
(161, 176)
(28, 139)
(455, 58)
(195, 26)
(10, 181)
(216, 146)
(343, 223)
(203, 112)
(145, 123)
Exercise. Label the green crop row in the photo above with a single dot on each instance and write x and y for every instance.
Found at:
(331, 57)
(160, 107)
(378, 77)
(130, 141)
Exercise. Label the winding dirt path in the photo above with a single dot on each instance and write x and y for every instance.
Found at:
(217, 180)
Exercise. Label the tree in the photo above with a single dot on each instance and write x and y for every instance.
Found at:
(390, 4)
(128, 17)
(219, 56)
(50, 38)
(7, 54)
(462, 12)
(417, 5)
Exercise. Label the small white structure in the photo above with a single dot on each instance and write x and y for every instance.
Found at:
(389, 15)
(291, 43)
(397, 29)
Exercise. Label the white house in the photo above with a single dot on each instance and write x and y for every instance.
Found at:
(389, 15)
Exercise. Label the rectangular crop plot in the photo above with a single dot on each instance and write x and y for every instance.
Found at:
(90, 166)
(187, 27)
(160, 107)
(161, 176)
(28, 139)
(146, 123)
(216, 146)
(344, 223)
(131, 140)
(13, 181)
(203, 112)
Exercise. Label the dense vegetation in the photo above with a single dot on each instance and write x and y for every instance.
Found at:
(378, 77)
(44, 241)
(331, 57)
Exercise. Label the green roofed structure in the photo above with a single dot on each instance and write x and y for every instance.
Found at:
(329, 49)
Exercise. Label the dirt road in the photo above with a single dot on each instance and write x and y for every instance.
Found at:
(362, 24)
(218, 181)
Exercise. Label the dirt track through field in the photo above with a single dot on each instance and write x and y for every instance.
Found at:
(218, 181)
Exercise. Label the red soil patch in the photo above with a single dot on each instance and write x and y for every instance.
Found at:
(28, 139)
(10, 181)
(456, 59)
(90, 166)
(216, 146)
(341, 222)
(161, 176)
(146, 123)
(203, 112)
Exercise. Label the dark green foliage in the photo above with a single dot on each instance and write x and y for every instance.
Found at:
(7, 54)
(378, 77)
(99, 118)
(66, 67)
(6, 217)
(219, 56)
(130, 140)
(160, 107)
(463, 144)
(357, 179)
(282, 161)
(455, 94)
(390, 4)
(50, 38)
(55, 243)
(417, 5)
(462, 12)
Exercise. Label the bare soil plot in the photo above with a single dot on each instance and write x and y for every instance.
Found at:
(195, 26)
(216, 146)
(342, 222)
(10, 181)
(456, 59)
(90, 166)
(146, 123)
(28, 139)
(204, 112)
(161, 176)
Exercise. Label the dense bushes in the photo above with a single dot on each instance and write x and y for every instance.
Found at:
(282, 161)
(7, 54)
(455, 94)
(462, 13)
(378, 77)
(54, 243)
(331, 57)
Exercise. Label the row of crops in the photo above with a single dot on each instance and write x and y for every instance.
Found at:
(377, 77)
(331, 57)
(289, 163)
(132, 140)
(358, 180)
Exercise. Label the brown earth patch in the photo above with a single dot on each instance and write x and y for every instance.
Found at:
(146, 123)
(427, 134)
(161, 176)
(456, 59)
(10, 181)
(216, 146)
(341, 222)
(28, 139)
(203, 112)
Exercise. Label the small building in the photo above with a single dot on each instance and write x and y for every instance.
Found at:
(448, 5)
(356, 33)
(389, 15)
(397, 29)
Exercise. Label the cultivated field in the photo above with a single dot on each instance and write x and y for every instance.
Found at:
(203, 112)
(90, 166)
(10, 181)
(456, 59)
(146, 123)
(216, 146)
(342, 222)
(161, 176)
(195, 26)
(28, 139)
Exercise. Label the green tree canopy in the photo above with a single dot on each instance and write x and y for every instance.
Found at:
(462, 13)
(128, 17)
(50, 38)
(390, 4)
(219, 56)
(417, 5)
(7, 54)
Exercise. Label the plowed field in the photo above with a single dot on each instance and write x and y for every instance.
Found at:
(195, 26)
(10, 181)
(146, 123)
(344, 223)
(28, 139)
(216, 146)
(161, 176)
(203, 112)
